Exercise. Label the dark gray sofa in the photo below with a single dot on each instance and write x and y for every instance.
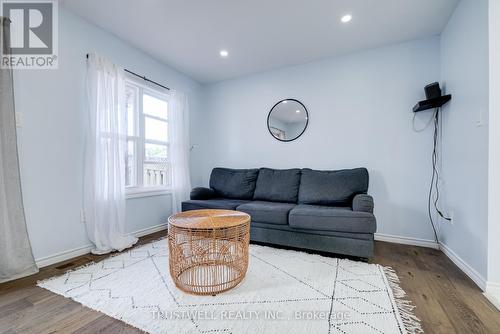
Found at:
(326, 211)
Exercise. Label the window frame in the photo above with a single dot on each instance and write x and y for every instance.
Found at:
(139, 139)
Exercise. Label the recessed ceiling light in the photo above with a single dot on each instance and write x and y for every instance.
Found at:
(297, 111)
(224, 53)
(346, 18)
(285, 102)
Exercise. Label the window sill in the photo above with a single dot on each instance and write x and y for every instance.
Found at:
(140, 193)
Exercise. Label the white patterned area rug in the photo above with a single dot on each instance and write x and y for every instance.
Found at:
(283, 292)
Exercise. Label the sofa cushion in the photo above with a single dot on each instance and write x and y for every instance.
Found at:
(234, 183)
(277, 185)
(219, 203)
(323, 218)
(202, 193)
(267, 212)
(333, 188)
(287, 228)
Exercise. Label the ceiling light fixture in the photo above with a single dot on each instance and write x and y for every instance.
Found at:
(297, 111)
(224, 53)
(346, 18)
(285, 102)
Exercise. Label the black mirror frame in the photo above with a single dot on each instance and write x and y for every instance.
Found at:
(305, 127)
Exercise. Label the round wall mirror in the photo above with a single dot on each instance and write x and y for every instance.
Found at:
(287, 120)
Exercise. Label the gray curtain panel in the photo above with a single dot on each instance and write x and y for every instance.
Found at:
(16, 258)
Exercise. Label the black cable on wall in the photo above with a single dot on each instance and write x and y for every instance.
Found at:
(435, 178)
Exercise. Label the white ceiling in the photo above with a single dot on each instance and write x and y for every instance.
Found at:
(260, 34)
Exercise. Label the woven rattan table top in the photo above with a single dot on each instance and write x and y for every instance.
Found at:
(208, 219)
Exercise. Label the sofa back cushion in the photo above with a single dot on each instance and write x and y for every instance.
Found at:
(277, 185)
(234, 183)
(333, 188)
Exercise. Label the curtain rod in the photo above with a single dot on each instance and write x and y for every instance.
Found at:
(142, 77)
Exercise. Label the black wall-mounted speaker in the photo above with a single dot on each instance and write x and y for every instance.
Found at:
(432, 91)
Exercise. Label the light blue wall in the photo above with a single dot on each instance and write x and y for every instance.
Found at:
(464, 58)
(51, 140)
(360, 108)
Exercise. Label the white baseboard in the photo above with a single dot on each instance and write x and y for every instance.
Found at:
(406, 240)
(150, 230)
(72, 253)
(493, 293)
(464, 266)
(62, 256)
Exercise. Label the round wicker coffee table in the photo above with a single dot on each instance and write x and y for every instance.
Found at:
(208, 250)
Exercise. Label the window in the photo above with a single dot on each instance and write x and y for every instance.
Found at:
(147, 159)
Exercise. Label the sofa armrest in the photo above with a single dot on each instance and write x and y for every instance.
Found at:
(201, 193)
(362, 202)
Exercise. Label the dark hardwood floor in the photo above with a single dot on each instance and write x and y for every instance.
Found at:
(447, 300)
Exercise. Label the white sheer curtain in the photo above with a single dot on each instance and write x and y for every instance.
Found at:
(178, 115)
(104, 184)
(16, 258)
